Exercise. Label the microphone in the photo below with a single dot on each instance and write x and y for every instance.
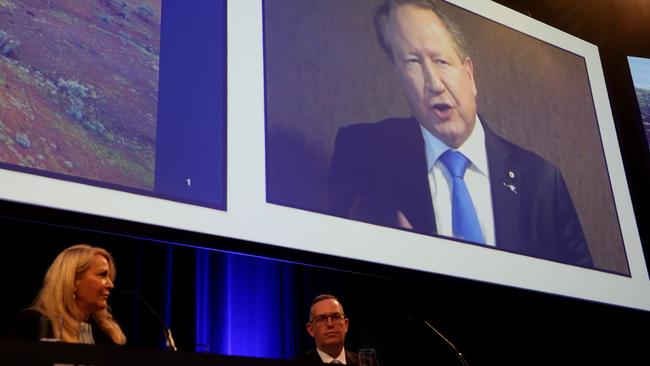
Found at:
(462, 359)
(169, 340)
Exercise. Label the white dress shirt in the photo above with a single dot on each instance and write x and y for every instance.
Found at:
(86, 333)
(477, 179)
(328, 359)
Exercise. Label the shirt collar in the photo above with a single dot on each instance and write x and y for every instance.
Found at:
(473, 148)
(327, 358)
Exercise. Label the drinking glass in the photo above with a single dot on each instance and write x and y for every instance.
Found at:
(367, 357)
(46, 327)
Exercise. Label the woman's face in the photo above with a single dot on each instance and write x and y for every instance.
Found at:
(93, 287)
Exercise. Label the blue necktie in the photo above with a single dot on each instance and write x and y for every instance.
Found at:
(463, 215)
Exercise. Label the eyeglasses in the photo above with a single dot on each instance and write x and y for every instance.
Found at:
(321, 320)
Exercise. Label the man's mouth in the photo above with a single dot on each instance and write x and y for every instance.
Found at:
(443, 110)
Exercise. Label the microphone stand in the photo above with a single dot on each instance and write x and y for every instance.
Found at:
(462, 359)
(169, 340)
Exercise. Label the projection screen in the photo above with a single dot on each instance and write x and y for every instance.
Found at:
(167, 149)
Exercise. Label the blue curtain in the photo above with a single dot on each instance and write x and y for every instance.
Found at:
(245, 306)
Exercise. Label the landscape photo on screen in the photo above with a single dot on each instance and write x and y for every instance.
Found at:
(79, 89)
(640, 68)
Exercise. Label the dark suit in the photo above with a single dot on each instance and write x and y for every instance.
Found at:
(379, 169)
(27, 326)
(310, 358)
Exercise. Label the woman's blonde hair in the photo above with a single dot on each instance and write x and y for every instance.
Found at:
(56, 298)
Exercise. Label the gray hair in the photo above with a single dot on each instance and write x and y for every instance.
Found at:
(320, 298)
(383, 12)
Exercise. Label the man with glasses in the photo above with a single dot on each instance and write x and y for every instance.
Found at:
(328, 326)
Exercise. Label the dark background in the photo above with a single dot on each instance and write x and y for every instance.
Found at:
(490, 324)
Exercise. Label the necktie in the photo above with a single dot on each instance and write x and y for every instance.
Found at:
(335, 362)
(463, 215)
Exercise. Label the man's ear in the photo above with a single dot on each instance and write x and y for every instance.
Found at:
(310, 329)
(469, 69)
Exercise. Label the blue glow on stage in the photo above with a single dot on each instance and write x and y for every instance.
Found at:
(245, 306)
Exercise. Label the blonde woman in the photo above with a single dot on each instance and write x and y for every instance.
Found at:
(72, 304)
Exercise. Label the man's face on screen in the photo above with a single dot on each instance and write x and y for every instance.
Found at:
(328, 326)
(438, 83)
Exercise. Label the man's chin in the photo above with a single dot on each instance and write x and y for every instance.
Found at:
(453, 133)
(333, 340)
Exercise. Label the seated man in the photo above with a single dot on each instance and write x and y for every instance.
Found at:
(328, 326)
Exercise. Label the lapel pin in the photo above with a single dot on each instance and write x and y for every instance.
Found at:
(512, 188)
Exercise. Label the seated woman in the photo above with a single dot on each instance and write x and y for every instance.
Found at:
(72, 304)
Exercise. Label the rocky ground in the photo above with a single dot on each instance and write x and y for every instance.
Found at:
(79, 86)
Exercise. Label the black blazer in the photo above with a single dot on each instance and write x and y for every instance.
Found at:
(27, 326)
(311, 358)
(378, 169)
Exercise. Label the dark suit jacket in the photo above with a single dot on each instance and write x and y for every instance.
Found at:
(27, 326)
(380, 168)
(311, 358)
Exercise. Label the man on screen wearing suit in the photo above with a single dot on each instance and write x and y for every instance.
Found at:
(328, 326)
(443, 171)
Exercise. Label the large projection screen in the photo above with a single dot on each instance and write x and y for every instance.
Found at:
(640, 70)
(111, 94)
(297, 71)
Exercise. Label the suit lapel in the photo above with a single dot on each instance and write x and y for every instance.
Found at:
(506, 195)
(352, 359)
(414, 195)
(412, 184)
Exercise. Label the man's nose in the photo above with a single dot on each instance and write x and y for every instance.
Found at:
(432, 80)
